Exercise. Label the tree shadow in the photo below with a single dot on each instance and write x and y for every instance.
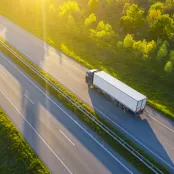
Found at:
(138, 128)
(32, 114)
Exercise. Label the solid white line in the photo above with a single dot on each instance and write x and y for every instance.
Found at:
(121, 128)
(3, 72)
(73, 77)
(169, 145)
(160, 123)
(37, 42)
(89, 103)
(5, 21)
(36, 132)
(66, 137)
(66, 113)
(70, 74)
(29, 99)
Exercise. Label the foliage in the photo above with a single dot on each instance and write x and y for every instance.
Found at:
(69, 8)
(51, 90)
(90, 20)
(162, 26)
(133, 18)
(103, 31)
(171, 56)
(127, 65)
(144, 47)
(157, 6)
(162, 52)
(128, 41)
(17, 157)
(93, 4)
(168, 67)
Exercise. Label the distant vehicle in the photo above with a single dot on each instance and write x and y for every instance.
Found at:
(121, 94)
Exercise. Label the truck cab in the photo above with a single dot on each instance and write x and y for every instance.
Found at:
(89, 76)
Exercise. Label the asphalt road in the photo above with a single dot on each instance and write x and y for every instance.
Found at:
(151, 131)
(62, 141)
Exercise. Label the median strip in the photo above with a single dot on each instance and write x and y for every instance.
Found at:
(109, 139)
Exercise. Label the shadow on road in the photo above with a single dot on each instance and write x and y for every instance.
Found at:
(138, 127)
(32, 114)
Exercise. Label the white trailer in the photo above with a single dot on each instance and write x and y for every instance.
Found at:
(117, 90)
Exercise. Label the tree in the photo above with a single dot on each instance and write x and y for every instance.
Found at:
(171, 56)
(133, 18)
(157, 6)
(153, 15)
(93, 4)
(162, 52)
(69, 8)
(144, 47)
(168, 67)
(128, 41)
(163, 27)
(90, 20)
(103, 31)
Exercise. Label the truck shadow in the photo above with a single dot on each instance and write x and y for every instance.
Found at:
(137, 129)
(32, 113)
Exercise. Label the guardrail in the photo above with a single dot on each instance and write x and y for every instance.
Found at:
(89, 115)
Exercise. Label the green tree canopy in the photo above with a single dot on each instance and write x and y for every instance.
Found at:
(103, 31)
(168, 67)
(157, 6)
(69, 8)
(162, 52)
(90, 20)
(93, 4)
(133, 18)
(163, 27)
(128, 41)
(171, 56)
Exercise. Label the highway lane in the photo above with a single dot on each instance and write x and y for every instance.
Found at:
(62, 141)
(151, 131)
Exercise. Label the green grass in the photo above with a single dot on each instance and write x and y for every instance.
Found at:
(16, 156)
(116, 146)
(146, 77)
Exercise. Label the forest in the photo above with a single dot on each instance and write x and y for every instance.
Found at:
(132, 40)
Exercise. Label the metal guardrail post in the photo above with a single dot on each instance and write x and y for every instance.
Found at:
(90, 116)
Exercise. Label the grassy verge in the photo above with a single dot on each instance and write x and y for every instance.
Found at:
(16, 156)
(148, 77)
(139, 165)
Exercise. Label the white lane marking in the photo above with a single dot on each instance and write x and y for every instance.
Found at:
(33, 39)
(36, 131)
(169, 145)
(3, 72)
(110, 120)
(37, 42)
(73, 77)
(90, 104)
(66, 137)
(29, 99)
(66, 114)
(160, 123)
(70, 74)
(5, 21)
(120, 127)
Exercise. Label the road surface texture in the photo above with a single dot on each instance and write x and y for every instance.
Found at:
(151, 131)
(62, 141)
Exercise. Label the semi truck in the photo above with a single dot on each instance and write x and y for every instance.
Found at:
(121, 94)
